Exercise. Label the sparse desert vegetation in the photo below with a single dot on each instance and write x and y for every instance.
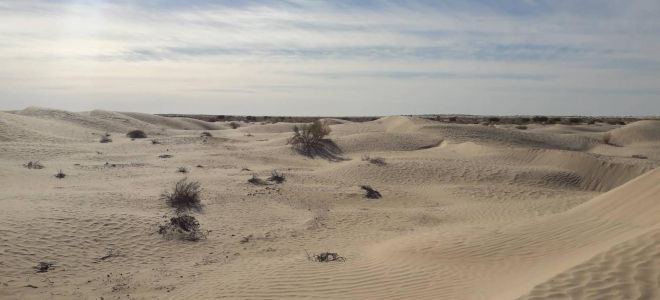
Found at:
(185, 196)
(308, 138)
(441, 191)
(377, 160)
(60, 174)
(183, 227)
(33, 165)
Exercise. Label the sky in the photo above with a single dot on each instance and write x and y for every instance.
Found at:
(333, 58)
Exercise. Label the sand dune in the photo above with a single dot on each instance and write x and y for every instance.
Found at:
(468, 211)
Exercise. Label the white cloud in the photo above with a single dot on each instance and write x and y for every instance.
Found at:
(421, 57)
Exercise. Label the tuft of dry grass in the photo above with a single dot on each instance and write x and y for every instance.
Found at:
(371, 193)
(206, 134)
(256, 180)
(60, 174)
(185, 196)
(277, 177)
(183, 170)
(234, 125)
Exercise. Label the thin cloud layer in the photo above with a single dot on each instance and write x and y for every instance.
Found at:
(333, 58)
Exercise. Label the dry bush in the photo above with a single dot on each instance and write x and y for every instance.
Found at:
(277, 177)
(256, 180)
(371, 193)
(165, 156)
(43, 267)
(136, 134)
(324, 257)
(206, 134)
(234, 125)
(307, 138)
(184, 227)
(155, 142)
(33, 165)
(379, 161)
(60, 174)
(185, 196)
(183, 170)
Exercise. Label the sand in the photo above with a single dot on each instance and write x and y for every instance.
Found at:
(468, 211)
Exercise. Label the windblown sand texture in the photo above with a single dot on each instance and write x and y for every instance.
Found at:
(468, 211)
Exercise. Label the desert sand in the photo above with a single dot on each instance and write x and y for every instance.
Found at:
(468, 211)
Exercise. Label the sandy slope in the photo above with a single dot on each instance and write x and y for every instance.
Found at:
(469, 211)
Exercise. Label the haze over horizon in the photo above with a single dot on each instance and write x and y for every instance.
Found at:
(333, 58)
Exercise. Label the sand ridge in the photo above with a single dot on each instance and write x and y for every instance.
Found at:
(468, 211)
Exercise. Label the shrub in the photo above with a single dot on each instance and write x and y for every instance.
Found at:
(524, 120)
(452, 119)
(234, 125)
(494, 119)
(155, 142)
(308, 137)
(276, 177)
(521, 127)
(165, 156)
(379, 161)
(256, 180)
(639, 156)
(206, 134)
(33, 165)
(325, 257)
(43, 267)
(183, 227)
(371, 193)
(185, 196)
(182, 170)
(60, 174)
(136, 134)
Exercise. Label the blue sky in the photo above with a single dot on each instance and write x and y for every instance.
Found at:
(333, 58)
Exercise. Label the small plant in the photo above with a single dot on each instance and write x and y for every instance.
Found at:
(105, 139)
(256, 180)
(379, 161)
(185, 227)
(205, 134)
(165, 156)
(276, 177)
(136, 134)
(183, 170)
(234, 125)
(185, 196)
(639, 156)
(324, 257)
(33, 165)
(521, 127)
(60, 174)
(155, 142)
(371, 193)
(308, 137)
